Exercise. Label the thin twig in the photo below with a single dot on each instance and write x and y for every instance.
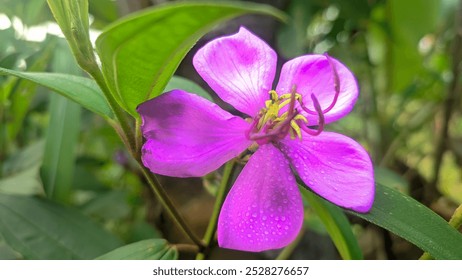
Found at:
(221, 194)
(169, 206)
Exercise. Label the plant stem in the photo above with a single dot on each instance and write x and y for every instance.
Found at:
(122, 124)
(187, 248)
(456, 219)
(221, 194)
(132, 141)
(169, 206)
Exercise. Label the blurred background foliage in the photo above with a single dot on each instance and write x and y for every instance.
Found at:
(406, 57)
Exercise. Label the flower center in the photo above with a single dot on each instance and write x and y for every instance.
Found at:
(274, 122)
(279, 117)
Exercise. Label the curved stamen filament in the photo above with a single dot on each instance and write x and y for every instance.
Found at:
(320, 113)
(336, 84)
(336, 89)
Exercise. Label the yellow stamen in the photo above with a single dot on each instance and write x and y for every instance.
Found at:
(301, 117)
(296, 128)
(271, 119)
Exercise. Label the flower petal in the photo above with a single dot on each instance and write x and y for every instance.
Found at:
(313, 74)
(264, 209)
(240, 68)
(335, 167)
(188, 136)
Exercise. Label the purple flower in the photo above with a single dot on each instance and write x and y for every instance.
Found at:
(189, 136)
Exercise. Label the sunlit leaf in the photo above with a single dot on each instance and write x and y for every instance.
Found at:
(79, 89)
(140, 53)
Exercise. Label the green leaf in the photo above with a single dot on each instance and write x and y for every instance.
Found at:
(79, 89)
(108, 205)
(414, 222)
(177, 82)
(140, 53)
(21, 171)
(26, 182)
(151, 249)
(28, 157)
(21, 93)
(62, 134)
(337, 226)
(40, 229)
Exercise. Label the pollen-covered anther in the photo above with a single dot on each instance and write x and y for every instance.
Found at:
(270, 125)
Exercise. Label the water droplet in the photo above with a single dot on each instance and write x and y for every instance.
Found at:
(286, 227)
(254, 215)
(279, 209)
(283, 218)
(249, 235)
(264, 218)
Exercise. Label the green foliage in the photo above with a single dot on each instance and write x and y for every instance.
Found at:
(82, 90)
(50, 150)
(72, 17)
(413, 221)
(337, 226)
(152, 249)
(140, 53)
(61, 142)
(40, 229)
